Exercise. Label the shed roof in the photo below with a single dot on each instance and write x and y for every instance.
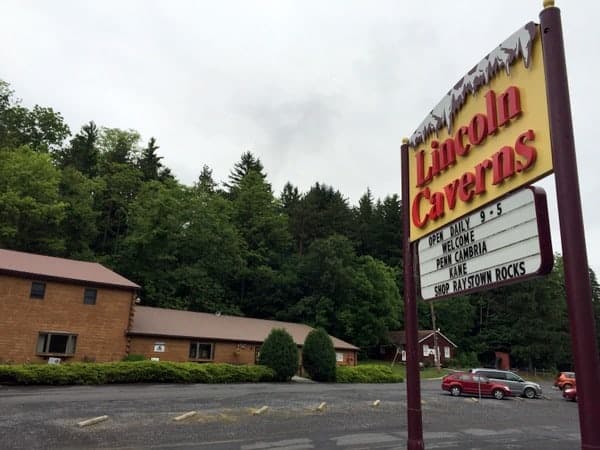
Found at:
(399, 337)
(176, 323)
(31, 265)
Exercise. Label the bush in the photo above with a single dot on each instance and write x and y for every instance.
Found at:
(134, 357)
(367, 373)
(318, 356)
(280, 353)
(132, 372)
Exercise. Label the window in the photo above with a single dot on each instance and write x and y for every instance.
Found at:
(425, 350)
(202, 351)
(446, 352)
(339, 356)
(38, 289)
(89, 296)
(159, 347)
(56, 344)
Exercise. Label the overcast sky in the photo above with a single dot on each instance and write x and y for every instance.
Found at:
(318, 90)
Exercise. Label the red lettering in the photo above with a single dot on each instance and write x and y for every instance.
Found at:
(450, 190)
(477, 129)
(467, 180)
(480, 175)
(447, 154)
(503, 164)
(461, 148)
(416, 208)
(490, 109)
(422, 179)
(528, 152)
(509, 105)
(437, 208)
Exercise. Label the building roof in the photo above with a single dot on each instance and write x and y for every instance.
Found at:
(399, 337)
(31, 265)
(187, 324)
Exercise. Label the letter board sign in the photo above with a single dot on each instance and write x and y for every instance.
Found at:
(506, 241)
(488, 136)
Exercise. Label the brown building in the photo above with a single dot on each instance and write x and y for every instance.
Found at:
(174, 335)
(446, 349)
(81, 311)
(61, 308)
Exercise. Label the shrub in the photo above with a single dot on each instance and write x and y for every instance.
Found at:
(280, 353)
(132, 372)
(318, 356)
(367, 373)
(134, 357)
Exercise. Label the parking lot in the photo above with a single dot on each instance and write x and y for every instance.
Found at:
(297, 416)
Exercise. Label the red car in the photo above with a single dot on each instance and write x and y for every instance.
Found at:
(570, 394)
(473, 384)
(565, 380)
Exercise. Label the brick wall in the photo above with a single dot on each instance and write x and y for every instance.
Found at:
(100, 328)
(177, 349)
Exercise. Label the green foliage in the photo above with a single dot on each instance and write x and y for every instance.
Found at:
(367, 373)
(133, 357)
(131, 372)
(30, 208)
(280, 353)
(318, 356)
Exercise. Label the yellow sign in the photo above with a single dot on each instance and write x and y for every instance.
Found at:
(488, 136)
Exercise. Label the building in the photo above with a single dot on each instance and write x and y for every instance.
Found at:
(61, 308)
(426, 344)
(174, 335)
(81, 311)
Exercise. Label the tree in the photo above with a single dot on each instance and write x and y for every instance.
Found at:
(118, 146)
(248, 163)
(149, 162)
(30, 208)
(280, 353)
(82, 154)
(41, 128)
(320, 213)
(79, 226)
(257, 216)
(206, 182)
(318, 356)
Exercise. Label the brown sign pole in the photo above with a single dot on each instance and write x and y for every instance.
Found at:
(577, 279)
(411, 320)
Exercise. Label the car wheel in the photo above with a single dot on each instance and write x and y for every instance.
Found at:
(566, 386)
(498, 394)
(529, 393)
(455, 391)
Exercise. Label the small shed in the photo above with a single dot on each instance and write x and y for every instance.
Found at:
(427, 340)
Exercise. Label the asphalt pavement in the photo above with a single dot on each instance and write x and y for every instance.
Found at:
(297, 416)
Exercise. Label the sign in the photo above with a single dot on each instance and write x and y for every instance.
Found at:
(508, 240)
(488, 136)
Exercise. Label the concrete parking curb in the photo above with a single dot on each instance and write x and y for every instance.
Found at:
(259, 411)
(95, 420)
(185, 415)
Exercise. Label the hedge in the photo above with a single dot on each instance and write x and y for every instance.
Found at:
(367, 373)
(132, 372)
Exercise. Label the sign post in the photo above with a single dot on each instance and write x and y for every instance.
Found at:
(411, 320)
(577, 279)
(504, 125)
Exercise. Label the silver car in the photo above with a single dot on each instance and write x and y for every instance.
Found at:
(517, 385)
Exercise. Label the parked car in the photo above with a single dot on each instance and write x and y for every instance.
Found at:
(517, 385)
(570, 394)
(565, 380)
(474, 384)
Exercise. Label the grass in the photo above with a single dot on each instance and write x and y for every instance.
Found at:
(400, 369)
